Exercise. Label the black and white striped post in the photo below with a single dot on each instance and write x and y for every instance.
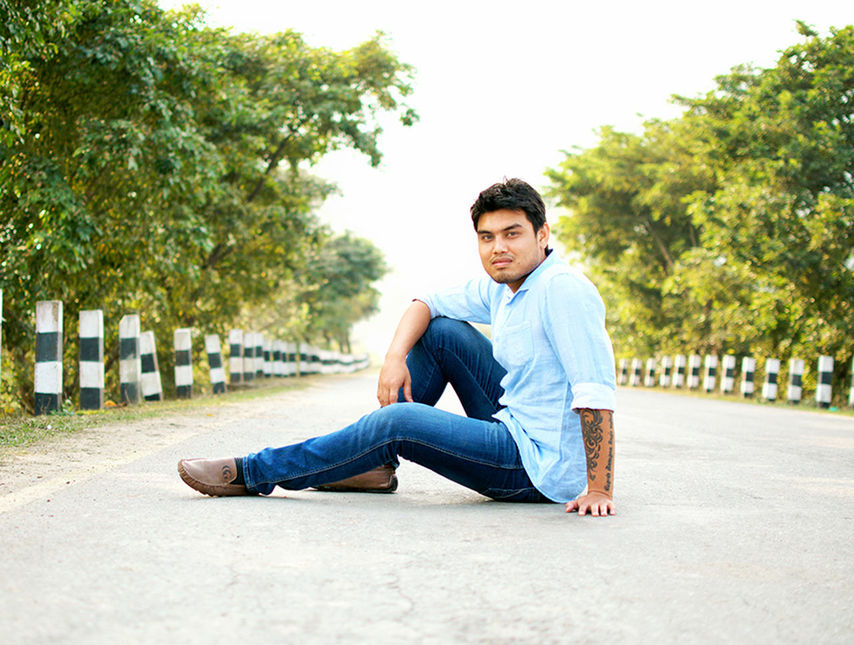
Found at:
(214, 351)
(91, 335)
(666, 371)
(748, 369)
(48, 368)
(276, 354)
(623, 372)
(769, 386)
(268, 357)
(248, 357)
(150, 381)
(727, 373)
(710, 373)
(679, 370)
(235, 356)
(824, 388)
(649, 378)
(694, 371)
(184, 363)
(635, 378)
(851, 391)
(794, 391)
(259, 355)
(1, 335)
(292, 362)
(130, 367)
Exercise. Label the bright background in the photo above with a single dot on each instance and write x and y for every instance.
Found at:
(502, 88)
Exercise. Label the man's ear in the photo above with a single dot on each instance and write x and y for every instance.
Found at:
(543, 235)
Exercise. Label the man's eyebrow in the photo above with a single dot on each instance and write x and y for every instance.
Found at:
(506, 228)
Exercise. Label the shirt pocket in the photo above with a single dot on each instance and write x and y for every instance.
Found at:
(518, 344)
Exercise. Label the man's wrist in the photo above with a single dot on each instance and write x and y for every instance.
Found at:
(590, 491)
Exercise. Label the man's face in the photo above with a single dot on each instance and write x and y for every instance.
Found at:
(509, 247)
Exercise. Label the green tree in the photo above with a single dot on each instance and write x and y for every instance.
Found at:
(149, 163)
(731, 228)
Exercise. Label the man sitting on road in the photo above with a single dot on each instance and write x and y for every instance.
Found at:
(539, 398)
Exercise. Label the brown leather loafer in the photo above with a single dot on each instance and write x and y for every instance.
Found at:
(212, 476)
(378, 480)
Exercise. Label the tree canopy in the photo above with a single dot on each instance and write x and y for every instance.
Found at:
(150, 163)
(731, 228)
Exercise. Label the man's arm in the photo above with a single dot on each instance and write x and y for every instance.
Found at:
(394, 373)
(597, 428)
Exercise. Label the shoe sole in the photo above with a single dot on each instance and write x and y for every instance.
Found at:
(358, 489)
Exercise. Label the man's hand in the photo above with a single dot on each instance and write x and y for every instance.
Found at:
(394, 373)
(596, 503)
(393, 376)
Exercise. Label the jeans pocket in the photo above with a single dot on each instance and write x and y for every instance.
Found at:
(529, 495)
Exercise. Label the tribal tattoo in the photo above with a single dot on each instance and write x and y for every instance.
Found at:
(594, 427)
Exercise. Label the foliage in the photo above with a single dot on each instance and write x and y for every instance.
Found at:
(151, 164)
(731, 228)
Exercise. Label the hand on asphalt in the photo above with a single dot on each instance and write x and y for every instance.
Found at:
(597, 504)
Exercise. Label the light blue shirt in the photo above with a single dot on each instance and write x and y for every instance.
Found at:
(550, 337)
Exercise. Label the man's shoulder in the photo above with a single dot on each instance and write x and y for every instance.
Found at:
(561, 276)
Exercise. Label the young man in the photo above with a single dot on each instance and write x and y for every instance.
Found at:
(539, 398)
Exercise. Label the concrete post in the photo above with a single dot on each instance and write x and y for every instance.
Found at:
(623, 372)
(635, 376)
(748, 368)
(1, 336)
(666, 371)
(851, 391)
(711, 373)
(150, 381)
(693, 371)
(727, 373)
(824, 388)
(235, 356)
(248, 357)
(48, 368)
(259, 356)
(292, 369)
(91, 335)
(769, 387)
(276, 354)
(649, 380)
(267, 354)
(130, 366)
(184, 363)
(679, 370)
(796, 374)
(214, 351)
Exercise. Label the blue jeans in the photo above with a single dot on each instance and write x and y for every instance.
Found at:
(475, 451)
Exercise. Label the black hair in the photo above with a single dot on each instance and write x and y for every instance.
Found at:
(513, 195)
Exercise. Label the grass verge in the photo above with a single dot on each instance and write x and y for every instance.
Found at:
(20, 431)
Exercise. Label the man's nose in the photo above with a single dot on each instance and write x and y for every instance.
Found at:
(498, 246)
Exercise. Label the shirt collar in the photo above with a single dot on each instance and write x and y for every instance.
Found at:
(534, 276)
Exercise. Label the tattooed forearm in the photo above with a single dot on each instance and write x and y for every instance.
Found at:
(598, 432)
(591, 430)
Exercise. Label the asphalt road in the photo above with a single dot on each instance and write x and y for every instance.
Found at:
(734, 525)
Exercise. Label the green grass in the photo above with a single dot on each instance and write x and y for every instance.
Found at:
(20, 431)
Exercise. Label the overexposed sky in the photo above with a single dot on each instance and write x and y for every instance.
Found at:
(502, 88)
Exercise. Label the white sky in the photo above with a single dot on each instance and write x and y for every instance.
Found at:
(501, 88)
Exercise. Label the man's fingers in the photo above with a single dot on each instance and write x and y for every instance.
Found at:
(571, 506)
(407, 390)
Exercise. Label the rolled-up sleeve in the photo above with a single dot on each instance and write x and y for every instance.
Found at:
(469, 302)
(576, 329)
